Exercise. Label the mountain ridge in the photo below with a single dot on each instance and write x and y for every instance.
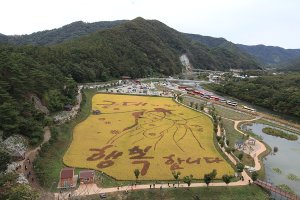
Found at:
(271, 54)
(70, 31)
(203, 56)
(265, 55)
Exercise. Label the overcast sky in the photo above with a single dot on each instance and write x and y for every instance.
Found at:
(269, 22)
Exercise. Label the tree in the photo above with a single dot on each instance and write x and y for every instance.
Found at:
(136, 173)
(227, 142)
(228, 149)
(240, 167)
(240, 156)
(221, 142)
(226, 178)
(54, 100)
(21, 192)
(213, 174)
(176, 176)
(188, 179)
(4, 160)
(180, 99)
(191, 104)
(207, 179)
(201, 106)
(254, 176)
(8, 118)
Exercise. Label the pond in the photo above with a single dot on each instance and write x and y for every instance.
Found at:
(287, 159)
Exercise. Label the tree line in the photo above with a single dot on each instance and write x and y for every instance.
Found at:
(279, 93)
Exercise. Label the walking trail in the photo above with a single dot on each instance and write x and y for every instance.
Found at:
(26, 164)
(90, 189)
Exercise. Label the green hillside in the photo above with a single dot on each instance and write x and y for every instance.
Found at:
(59, 35)
(137, 48)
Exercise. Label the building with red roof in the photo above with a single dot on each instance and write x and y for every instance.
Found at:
(87, 176)
(67, 178)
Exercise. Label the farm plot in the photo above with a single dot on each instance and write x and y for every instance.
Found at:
(152, 134)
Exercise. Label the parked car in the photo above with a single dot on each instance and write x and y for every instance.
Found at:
(102, 195)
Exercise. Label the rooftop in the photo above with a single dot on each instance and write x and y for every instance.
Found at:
(67, 173)
(86, 173)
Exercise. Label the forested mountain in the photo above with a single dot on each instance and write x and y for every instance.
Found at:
(266, 55)
(221, 44)
(59, 35)
(293, 65)
(216, 57)
(269, 55)
(137, 48)
(207, 40)
(149, 46)
(21, 76)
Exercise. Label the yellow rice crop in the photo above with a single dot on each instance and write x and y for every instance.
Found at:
(152, 134)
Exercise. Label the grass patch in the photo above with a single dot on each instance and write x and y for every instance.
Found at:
(49, 163)
(277, 170)
(279, 133)
(251, 192)
(231, 134)
(232, 114)
(246, 160)
(293, 177)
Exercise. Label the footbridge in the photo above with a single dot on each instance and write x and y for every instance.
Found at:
(276, 190)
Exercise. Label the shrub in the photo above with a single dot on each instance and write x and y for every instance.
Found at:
(240, 156)
(228, 149)
(240, 167)
(254, 176)
(227, 142)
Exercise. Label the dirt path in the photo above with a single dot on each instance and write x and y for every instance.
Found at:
(26, 164)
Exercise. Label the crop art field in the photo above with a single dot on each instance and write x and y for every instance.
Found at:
(152, 134)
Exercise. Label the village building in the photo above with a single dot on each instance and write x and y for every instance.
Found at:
(67, 178)
(87, 176)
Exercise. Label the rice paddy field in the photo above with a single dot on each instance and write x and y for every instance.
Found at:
(153, 134)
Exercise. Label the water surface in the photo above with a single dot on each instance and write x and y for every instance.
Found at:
(287, 159)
